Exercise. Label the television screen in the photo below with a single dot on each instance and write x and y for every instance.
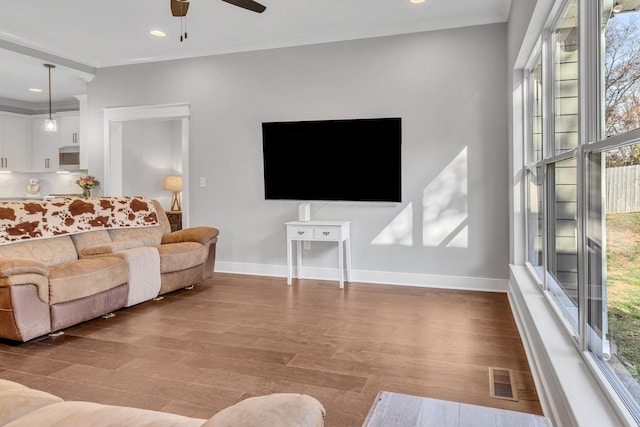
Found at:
(351, 160)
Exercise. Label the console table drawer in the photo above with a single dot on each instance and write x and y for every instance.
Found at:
(305, 233)
(332, 233)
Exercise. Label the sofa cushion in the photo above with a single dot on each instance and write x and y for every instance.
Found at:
(111, 247)
(17, 400)
(274, 410)
(96, 415)
(180, 256)
(50, 251)
(90, 238)
(85, 277)
(150, 236)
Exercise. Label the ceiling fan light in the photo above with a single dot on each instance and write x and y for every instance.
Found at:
(50, 125)
(157, 33)
(416, 1)
(35, 89)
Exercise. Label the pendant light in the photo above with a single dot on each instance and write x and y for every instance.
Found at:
(50, 124)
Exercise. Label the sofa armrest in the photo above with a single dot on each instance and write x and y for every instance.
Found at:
(25, 271)
(279, 409)
(110, 248)
(15, 266)
(203, 235)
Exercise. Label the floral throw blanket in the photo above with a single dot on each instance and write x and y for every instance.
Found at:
(24, 220)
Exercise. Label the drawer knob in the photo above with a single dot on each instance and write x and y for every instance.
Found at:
(326, 233)
(300, 233)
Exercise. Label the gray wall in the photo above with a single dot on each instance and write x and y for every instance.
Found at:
(150, 151)
(448, 86)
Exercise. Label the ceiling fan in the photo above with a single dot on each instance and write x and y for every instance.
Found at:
(181, 7)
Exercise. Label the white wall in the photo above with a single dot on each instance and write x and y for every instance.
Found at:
(150, 151)
(448, 86)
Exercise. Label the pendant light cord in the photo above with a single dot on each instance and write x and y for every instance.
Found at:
(49, 67)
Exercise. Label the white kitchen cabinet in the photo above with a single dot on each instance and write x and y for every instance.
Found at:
(46, 144)
(70, 130)
(45, 147)
(14, 143)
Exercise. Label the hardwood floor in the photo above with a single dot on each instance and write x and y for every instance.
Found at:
(198, 351)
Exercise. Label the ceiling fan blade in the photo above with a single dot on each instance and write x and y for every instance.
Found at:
(247, 4)
(179, 7)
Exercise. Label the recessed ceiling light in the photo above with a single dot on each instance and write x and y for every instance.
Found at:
(34, 89)
(157, 33)
(416, 1)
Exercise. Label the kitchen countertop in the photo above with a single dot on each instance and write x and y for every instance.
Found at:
(37, 197)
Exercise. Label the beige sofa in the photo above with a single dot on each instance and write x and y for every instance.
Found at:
(21, 406)
(48, 284)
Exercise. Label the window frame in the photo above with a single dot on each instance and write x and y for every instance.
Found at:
(533, 167)
(618, 394)
(590, 140)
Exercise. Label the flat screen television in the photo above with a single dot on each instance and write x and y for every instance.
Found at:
(333, 160)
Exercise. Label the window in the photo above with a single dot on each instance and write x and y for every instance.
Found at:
(562, 211)
(535, 220)
(561, 204)
(582, 165)
(535, 80)
(613, 255)
(534, 155)
(621, 70)
(613, 215)
(565, 61)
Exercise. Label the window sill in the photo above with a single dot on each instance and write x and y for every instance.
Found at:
(570, 392)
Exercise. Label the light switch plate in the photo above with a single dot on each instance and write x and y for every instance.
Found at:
(203, 182)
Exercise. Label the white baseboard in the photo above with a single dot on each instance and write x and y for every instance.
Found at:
(367, 276)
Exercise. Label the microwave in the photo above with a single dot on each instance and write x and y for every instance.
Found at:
(69, 157)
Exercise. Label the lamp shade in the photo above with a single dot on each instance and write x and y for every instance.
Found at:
(173, 183)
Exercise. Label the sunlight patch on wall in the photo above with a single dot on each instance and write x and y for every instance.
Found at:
(444, 206)
(399, 231)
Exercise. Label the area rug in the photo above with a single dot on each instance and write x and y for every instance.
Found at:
(403, 410)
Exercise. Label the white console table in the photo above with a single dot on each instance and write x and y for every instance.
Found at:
(320, 231)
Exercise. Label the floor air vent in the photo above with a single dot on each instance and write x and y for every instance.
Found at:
(502, 384)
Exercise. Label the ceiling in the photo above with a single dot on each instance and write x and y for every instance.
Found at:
(81, 36)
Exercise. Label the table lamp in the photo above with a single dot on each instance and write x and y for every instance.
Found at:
(174, 183)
